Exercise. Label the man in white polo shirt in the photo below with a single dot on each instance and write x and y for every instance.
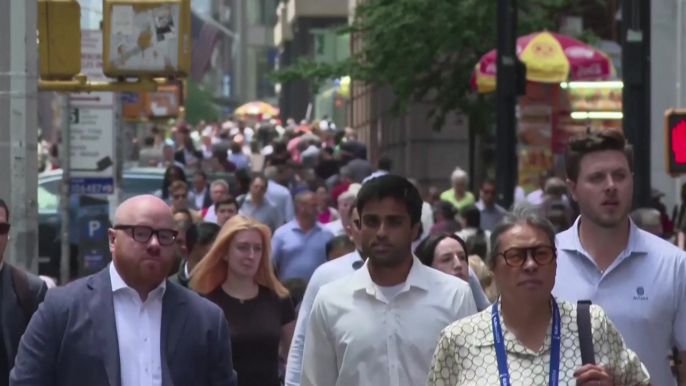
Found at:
(636, 277)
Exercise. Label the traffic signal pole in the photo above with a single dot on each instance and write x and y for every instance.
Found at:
(65, 161)
(636, 93)
(506, 102)
(19, 128)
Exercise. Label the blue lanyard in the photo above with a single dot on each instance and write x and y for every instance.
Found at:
(501, 355)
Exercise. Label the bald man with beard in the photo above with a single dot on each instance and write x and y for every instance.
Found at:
(128, 325)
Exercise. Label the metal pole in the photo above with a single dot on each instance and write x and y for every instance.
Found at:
(65, 159)
(18, 142)
(506, 102)
(636, 92)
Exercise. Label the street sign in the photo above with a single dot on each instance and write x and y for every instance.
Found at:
(92, 144)
(91, 66)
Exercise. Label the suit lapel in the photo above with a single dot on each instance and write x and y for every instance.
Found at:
(12, 315)
(173, 320)
(101, 308)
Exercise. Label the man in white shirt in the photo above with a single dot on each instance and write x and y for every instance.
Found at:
(637, 278)
(127, 325)
(380, 325)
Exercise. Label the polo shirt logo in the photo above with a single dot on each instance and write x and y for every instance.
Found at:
(640, 292)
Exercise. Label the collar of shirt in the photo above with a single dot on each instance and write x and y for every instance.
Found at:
(361, 280)
(118, 283)
(569, 240)
(512, 344)
(296, 227)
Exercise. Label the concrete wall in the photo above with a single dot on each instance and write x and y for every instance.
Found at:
(668, 67)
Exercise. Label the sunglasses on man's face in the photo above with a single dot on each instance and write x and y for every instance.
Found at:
(4, 228)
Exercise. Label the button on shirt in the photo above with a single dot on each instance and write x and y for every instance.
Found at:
(297, 254)
(643, 293)
(139, 326)
(359, 334)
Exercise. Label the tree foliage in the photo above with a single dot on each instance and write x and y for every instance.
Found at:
(426, 49)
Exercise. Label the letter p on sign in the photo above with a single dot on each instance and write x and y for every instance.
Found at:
(94, 228)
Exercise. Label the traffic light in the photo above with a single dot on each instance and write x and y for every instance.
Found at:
(146, 38)
(59, 39)
(675, 141)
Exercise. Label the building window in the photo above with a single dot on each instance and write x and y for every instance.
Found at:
(261, 12)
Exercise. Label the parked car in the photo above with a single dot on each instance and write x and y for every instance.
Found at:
(135, 181)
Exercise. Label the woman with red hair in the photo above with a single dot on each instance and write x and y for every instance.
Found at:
(237, 275)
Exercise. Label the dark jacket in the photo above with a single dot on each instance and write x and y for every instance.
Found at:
(72, 339)
(14, 313)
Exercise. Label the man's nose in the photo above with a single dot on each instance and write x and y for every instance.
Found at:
(530, 264)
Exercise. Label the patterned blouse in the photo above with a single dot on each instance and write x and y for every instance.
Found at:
(465, 354)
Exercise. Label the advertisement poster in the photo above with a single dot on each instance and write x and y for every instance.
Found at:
(534, 132)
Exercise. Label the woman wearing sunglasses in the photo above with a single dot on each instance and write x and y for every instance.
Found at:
(527, 336)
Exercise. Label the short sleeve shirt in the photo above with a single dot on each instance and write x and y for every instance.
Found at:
(465, 354)
(643, 293)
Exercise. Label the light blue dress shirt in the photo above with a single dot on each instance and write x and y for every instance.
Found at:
(643, 292)
(297, 254)
(281, 197)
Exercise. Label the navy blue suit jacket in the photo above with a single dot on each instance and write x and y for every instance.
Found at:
(72, 339)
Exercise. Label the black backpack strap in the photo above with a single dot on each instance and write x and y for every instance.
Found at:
(583, 321)
(20, 282)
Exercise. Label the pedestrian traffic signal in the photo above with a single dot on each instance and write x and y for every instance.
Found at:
(146, 38)
(59, 39)
(675, 141)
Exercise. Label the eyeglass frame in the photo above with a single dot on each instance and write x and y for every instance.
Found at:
(153, 232)
(530, 252)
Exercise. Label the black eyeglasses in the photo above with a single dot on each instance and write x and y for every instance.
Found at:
(143, 234)
(4, 228)
(516, 257)
(179, 196)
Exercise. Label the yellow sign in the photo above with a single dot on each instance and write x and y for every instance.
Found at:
(59, 39)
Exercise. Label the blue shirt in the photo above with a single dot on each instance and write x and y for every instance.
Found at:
(297, 254)
(281, 197)
(643, 292)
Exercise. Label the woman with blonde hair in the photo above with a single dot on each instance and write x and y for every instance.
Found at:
(237, 275)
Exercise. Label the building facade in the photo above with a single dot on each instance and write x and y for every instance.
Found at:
(299, 27)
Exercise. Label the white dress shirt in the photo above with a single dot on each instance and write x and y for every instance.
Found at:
(324, 274)
(336, 228)
(359, 334)
(139, 325)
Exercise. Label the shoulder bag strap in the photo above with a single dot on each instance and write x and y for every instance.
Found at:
(583, 321)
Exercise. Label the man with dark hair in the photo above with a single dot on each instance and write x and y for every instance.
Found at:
(636, 277)
(339, 246)
(384, 166)
(355, 320)
(226, 209)
(199, 196)
(20, 296)
(491, 213)
(199, 239)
